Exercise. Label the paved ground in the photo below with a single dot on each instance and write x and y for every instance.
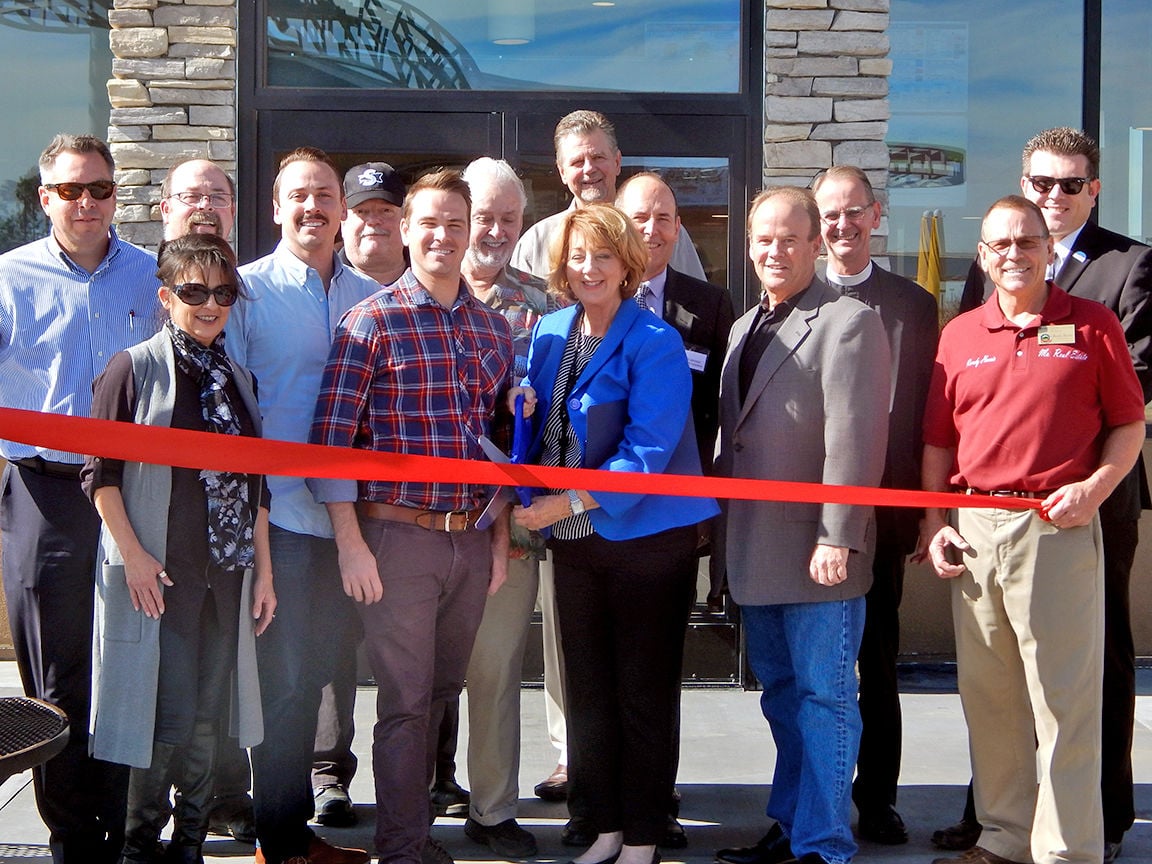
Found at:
(725, 772)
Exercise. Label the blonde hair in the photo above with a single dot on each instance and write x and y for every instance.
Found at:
(603, 227)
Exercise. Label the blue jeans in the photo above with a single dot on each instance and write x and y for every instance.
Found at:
(804, 654)
(296, 655)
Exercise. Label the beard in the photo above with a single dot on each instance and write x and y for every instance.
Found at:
(199, 218)
(490, 259)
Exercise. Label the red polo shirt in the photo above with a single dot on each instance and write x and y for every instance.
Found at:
(1028, 409)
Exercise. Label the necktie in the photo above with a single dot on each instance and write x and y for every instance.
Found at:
(642, 294)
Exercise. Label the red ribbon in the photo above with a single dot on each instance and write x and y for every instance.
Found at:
(184, 448)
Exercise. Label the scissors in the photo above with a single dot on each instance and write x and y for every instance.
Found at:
(504, 494)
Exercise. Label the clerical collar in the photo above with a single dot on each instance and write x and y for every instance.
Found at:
(849, 281)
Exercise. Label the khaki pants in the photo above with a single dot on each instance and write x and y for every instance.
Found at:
(1029, 626)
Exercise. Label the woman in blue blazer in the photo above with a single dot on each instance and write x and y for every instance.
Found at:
(610, 387)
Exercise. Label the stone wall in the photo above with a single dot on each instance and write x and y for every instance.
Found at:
(826, 71)
(173, 96)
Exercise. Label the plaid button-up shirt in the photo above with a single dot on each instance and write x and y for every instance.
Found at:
(407, 375)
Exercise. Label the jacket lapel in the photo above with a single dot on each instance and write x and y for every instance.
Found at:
(1077, 261)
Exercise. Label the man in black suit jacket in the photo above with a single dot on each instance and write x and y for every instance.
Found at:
(849, 213)
(1061, 176)
(701, 313)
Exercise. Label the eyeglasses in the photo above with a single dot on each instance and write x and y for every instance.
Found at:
(195, 199)
(1068, 185)
(101, 190)
(852, 214)
(1026, 244)
(196, 294)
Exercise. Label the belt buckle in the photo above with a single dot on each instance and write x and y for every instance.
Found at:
(448, 521)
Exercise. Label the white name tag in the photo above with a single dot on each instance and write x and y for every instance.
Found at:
(696, 359)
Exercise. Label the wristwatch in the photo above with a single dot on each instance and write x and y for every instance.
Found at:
(575, 503)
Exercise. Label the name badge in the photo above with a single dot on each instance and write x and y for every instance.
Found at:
(1057, 334)
(696, 359)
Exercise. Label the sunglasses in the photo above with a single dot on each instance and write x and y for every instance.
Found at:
(101, 190)
(195, 294)
(1068, 185)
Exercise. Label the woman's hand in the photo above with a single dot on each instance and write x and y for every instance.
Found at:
(545, 510)
(263, 600)
(529, 400)
(144, 575)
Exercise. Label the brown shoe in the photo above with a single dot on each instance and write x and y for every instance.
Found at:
(555, 786)
(976, 855)
(956, 838)
(320, 852)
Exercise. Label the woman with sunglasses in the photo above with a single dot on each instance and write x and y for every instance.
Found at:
(186, 581)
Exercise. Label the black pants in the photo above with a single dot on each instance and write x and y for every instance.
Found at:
(623, 608)
(49, 533)
(878, 766)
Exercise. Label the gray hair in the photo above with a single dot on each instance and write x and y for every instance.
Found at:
(498, 173)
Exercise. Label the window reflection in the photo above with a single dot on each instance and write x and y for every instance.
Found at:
(965, 96)
(685, 46)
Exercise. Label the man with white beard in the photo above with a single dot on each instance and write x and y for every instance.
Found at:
(498, 202)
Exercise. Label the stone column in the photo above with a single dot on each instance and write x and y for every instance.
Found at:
(173, 96)
(826, 71)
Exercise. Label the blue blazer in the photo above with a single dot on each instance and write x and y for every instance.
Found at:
(630, 409)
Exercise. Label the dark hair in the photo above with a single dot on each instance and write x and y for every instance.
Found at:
(442, 180)
(66, 142)
(794, 195)
(603, 227)
(306, 154)
(203, 251)
(1064, 141)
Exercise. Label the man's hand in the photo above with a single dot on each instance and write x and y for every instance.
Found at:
(829, 565)
(945, 539)
(359, 573)
(1071, 506)
(501, 544)
(263, 601)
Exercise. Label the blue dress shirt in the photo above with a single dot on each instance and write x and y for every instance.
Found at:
(60, 325)
(283, 335)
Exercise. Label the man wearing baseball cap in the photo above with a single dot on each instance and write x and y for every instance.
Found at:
(371, 233)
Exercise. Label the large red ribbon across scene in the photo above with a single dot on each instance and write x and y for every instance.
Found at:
(184, 448)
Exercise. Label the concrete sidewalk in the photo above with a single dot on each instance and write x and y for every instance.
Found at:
(725, 772)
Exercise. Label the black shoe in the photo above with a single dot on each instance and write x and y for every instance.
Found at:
(882, 826)
(579, 832)
(507, 839)
(959, 837)
(434, 853)
(334, 807)
(772, 848)
(1111, 850)
(450, 798)
(674, 836)
(232, 815)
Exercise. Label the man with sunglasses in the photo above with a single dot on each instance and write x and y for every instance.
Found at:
(68, 302)
(1061, 176)
(1033, 396)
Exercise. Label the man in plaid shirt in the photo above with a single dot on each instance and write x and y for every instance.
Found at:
(421, 367)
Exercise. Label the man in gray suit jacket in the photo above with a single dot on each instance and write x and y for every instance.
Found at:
(804, 396)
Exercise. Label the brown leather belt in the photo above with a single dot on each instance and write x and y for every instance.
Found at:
(452, 521)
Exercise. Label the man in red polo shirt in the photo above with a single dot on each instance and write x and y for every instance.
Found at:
(1034, 395)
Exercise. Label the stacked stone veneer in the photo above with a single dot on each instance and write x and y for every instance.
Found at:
(826, 71)
(173, 96)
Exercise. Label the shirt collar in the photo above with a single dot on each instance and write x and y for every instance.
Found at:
(1064, 247)
(114, 246)
(849, 281)
(1057, 307)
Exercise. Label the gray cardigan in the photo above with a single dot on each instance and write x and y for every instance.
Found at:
(126, 647)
